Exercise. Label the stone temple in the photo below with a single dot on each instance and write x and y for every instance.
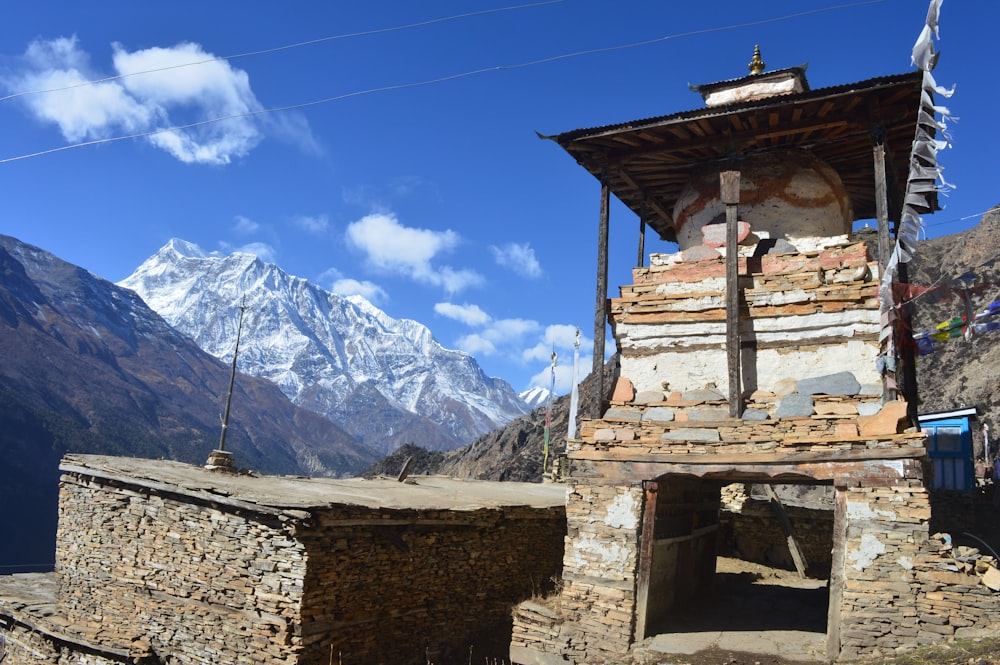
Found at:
(767, 350)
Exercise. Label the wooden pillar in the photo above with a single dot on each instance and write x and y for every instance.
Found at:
(641, 259)
(881, 200)
(647, 538)
(906, 365)
(837, 574)
(884, 237)
(730, 185)
(601, 309)
(798, 556)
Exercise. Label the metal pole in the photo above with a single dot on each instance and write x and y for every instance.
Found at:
(232, 375)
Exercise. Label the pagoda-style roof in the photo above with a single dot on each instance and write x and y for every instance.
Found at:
(647, 163)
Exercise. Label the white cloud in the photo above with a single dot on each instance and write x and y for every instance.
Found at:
(476, 345)
(408, 251)
(143, 102)
(470, 315)
(511, 331)
(455, 281)
(82, 113)
(371, 292)
(560, 337)
(245, 225)
(316, 224)
(518, 258)
(564, 375)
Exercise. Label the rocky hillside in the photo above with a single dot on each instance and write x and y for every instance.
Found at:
(959, 372)
(88, 368)
(513, 452)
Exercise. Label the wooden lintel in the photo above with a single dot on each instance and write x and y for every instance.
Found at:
(627, 454)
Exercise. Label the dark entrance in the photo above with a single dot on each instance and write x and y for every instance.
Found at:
(692, 581)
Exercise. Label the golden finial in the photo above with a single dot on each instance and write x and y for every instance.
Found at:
(756, 65)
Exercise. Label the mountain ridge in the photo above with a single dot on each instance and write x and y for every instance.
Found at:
(89, 368)
(386, 381)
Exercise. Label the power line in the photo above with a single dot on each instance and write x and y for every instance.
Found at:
(50, 564)
(965, 218)
(276, 49)
(442, 79)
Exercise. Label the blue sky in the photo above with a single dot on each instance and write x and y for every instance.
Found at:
(434, 198)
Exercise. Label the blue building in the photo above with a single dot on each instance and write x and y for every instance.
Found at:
(949, 446)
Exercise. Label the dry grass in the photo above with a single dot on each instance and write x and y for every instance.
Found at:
(960, 652)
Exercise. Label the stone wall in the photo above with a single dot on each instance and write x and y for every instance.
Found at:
(753, 533)
(404, 586)
(26, 646)
(900, 590)
(804, 315)
(172, 576)
(160, 573)
(593, 616)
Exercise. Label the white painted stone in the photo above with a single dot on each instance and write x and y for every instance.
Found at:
(868, 550)
(775, 83)
(862, 511)
(792, 195)
(691, 370)
(593, 555)
(623, 512)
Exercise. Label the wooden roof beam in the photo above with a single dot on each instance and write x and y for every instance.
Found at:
(665, 225)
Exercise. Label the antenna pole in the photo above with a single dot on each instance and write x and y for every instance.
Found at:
(232, 376)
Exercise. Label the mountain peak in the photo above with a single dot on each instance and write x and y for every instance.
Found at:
(385, 380)
(186, 249)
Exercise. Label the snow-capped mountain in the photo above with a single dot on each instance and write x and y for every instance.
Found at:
(386, 381)
(535, 397)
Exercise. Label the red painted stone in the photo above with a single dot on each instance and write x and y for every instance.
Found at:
(891, 419)
(700, 253)
(714, 235)
(624, 390)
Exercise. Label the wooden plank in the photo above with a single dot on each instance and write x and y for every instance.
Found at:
(845, 472)
(786, 527)
(624, 454)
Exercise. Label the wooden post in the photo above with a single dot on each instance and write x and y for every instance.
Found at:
(798, 558)
(601, 309)
(647, 538)
(641, 260)
(884, 239)
(837, 574)
(881, 201)
(730, 184)
(906, 365)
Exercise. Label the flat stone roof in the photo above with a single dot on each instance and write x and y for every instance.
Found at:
(31, 600)
(281, 494)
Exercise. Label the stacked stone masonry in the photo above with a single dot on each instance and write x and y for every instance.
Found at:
(812, 411)
(816, 310)
(165, 572)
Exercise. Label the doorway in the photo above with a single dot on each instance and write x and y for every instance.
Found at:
(704, 582)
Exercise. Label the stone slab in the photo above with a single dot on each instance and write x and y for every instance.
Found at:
(841, 383)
